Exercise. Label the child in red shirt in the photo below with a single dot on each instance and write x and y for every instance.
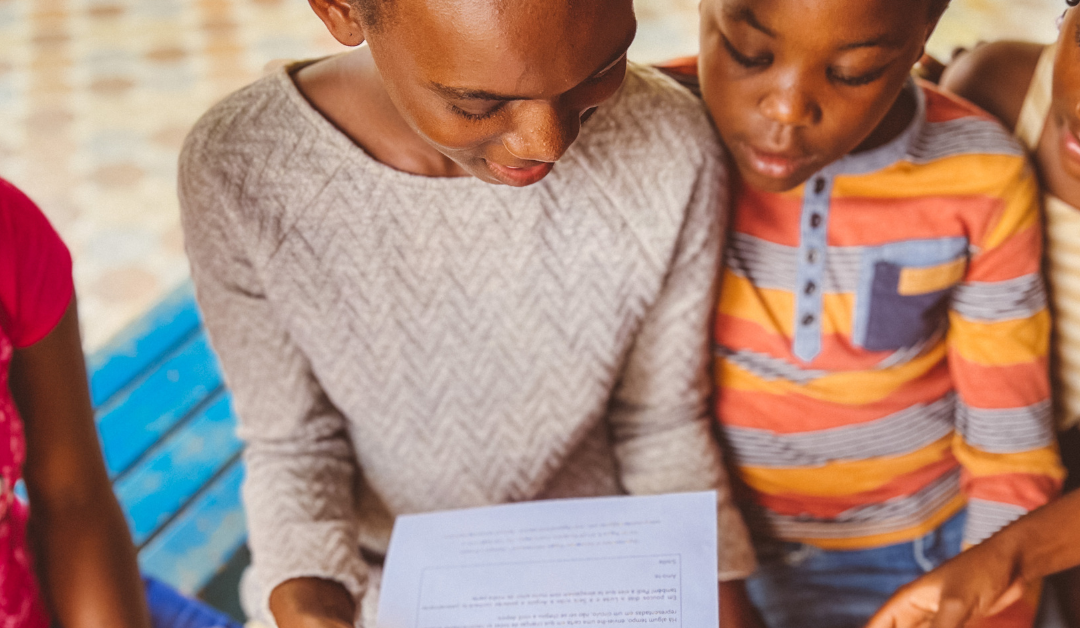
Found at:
(83, 556)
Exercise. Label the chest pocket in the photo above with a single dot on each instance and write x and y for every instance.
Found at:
(903, 293)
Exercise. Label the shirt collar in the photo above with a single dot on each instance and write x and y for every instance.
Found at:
(887, 154)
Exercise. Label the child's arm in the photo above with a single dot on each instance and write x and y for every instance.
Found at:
(987, 578)
(85, 559)
(994, 76)
(998, 342)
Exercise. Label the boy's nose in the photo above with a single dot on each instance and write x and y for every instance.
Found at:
(542, 132)
(790, 106)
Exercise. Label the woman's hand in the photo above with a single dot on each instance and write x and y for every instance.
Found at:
(312, 603)
(979, 582)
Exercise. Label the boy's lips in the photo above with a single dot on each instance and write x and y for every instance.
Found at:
(775, 165)
(519, 177)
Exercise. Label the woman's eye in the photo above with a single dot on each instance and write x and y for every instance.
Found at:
(759, 61)
(469, 115)
(608, 73)
(856, 81)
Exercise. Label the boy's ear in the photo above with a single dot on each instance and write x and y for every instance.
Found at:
(937, 9)
(342, 19)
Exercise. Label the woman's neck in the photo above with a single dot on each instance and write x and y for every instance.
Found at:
(348, 91)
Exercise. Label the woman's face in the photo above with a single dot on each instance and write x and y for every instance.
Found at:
(1065, 111)
(501, 86)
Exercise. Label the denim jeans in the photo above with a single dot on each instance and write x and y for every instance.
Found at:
(802, 586)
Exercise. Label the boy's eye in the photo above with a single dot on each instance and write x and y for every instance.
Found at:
(475, 116)
(759, 61)
(856, 81)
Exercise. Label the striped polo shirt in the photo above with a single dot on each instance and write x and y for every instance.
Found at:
(882, 337)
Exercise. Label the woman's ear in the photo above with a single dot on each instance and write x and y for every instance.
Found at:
(342, 19)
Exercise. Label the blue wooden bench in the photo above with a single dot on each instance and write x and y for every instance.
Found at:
(168, 434)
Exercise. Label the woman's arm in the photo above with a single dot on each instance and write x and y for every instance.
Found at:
(300, 467)
(84, 555)
(994, 76)
(991, 575)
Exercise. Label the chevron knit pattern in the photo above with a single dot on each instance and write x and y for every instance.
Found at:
(398, 343)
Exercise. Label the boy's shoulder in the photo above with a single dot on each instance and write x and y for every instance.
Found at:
(954, 127)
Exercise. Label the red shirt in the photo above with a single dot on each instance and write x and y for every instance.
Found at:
(35, 290)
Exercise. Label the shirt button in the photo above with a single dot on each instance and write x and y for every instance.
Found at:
(808, 320)
(819, 186)
(815, 221)
(812, 256)
(810, 288)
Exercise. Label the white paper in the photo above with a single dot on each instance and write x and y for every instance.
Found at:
(610, 562)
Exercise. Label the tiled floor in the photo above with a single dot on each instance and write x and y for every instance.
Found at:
(96, 96)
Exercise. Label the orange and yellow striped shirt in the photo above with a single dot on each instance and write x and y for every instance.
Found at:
(882, 340)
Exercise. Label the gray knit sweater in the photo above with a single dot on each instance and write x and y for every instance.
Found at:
(397, 343)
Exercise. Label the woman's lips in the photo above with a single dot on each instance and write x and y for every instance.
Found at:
(1070, 144)
(519, 177)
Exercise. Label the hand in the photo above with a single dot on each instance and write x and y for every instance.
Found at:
(736, 609)
(978, 583)
(312, 603)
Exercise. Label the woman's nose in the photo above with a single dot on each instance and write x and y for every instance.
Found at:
(542, 131)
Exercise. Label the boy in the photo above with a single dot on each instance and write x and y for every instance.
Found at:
(417, 308)
(882, 330)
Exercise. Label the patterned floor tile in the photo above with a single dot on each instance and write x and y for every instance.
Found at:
(97, 95)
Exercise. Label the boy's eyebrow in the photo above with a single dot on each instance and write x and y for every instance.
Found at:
(744, 13)
(883, 41)
(465, 93)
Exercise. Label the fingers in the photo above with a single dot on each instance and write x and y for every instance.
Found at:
(1015, 591)
(952, 613)
(913, 606)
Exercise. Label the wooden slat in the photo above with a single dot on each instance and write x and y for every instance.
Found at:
(198, 543)
(143, 343)
(137, 418)
(177, 468)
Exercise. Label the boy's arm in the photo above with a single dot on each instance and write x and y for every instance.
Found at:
(999, 331)
(299, 463)
(660, 410)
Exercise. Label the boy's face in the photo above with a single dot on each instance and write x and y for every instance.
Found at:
(794, 85)
(501, 86)
(1065, 112)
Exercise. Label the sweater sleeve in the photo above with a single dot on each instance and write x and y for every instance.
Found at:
(300, 466)
(660, 410)
(999, 331)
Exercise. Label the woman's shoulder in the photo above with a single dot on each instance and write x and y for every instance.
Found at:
(653, 111)
(237, 121)
(995, 76)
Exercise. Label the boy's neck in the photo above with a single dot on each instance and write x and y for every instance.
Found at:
(348, 91)
(893, 124)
